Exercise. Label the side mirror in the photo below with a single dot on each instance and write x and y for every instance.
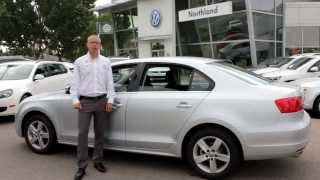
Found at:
(314, 69)
(39, 77)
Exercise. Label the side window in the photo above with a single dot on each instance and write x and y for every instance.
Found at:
(122, 76)
(317, 64)
(55, 69)
(42, 70)
(166, 78)
(199, 82)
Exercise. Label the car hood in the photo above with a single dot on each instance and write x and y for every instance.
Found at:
(280, 73)
(11, 84)
(265, 70)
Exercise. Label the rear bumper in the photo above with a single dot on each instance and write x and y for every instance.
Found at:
(279, 143)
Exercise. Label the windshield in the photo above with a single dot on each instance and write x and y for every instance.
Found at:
(243, 74)
(281, 62)
(298, 63)
(15, 72)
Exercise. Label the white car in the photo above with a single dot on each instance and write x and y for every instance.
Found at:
(19, 80)
(288, 61)
(311, 93)
(308, 66)
(211, 114)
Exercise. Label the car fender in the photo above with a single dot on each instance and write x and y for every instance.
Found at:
(27, 107)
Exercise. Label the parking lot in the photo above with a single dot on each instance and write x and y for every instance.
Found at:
(19, 163)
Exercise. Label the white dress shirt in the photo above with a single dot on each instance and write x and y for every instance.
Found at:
(92, 77)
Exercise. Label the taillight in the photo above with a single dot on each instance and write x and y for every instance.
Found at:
(290, 105)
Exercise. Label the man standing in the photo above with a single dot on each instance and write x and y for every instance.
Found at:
(93, 92)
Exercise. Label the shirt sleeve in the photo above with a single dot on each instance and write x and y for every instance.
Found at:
(75, 83)
(110, 87)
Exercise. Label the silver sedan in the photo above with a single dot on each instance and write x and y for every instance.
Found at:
(212, 114)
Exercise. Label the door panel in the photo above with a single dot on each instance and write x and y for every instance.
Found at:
(168, 94)
(153, 119)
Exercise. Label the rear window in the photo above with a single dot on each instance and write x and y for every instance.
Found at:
(242, 74)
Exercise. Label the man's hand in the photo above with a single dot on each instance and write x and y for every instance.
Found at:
(77, 105)
(109, 107)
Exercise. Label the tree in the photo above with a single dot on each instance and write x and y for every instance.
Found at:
(34, 26)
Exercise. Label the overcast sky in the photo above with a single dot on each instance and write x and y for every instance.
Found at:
(101, 2)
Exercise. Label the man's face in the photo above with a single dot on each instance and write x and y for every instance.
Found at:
(94, 45)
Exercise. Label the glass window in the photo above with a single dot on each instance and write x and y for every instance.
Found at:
(279, 50)
(297, 64)
(196, 50)
(237, 5)
(125, 19)
(229, 27)
(42, 70)
(279, 30)
(279, 6)
(56, 69)
(166, 78)
(194, 31)
(264, 26)
(122, 77)
(263, 5)
(242, 74)
(132, 53)
(15, 72)
(197, 3)
(199, 82)
(237, 52)
(126, 39)
(265, 50)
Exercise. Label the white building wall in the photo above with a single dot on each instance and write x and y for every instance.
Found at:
(302, 24)
(165, 32)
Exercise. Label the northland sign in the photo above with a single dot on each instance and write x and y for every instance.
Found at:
(206, 11)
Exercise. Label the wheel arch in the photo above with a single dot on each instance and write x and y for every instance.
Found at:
(31, 113)
(198, 127)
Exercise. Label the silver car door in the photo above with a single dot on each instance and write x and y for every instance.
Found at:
(165, 100)
(114, 130)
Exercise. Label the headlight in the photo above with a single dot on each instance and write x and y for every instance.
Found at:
(6, 93)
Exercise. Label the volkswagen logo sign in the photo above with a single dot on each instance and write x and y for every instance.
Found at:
(155, 18)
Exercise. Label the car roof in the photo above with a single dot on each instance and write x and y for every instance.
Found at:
(31, 62)
(179, 60)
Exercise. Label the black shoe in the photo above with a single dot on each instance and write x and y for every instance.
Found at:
(100, 167)
(79, 174)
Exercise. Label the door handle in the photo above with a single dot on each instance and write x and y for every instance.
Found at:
(116, 106)
(184, 105)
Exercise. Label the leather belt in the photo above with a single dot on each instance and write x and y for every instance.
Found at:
(92, 98)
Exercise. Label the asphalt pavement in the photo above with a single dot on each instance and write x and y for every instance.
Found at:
(17, 162)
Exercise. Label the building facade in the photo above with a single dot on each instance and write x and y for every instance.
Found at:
(248, 32)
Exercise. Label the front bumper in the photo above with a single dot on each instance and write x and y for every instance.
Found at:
(288, 142)
(8, 106)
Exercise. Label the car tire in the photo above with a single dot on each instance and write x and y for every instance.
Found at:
(40, 134)
(24, 97)
(316, 107)
(213, 162)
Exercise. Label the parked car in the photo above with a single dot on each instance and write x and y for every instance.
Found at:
(211, 114)
(305, 67)
(311, 93)
(280, 66)
(4, 59)
(19, 80)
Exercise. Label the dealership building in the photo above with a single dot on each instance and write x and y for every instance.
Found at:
(248, 32)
